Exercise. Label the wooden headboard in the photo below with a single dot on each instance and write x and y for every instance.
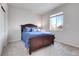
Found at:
(27, 25)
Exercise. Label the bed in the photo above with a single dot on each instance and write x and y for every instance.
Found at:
(35, 39)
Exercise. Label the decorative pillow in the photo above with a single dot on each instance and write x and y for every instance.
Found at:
(27, 29)
(34, 29)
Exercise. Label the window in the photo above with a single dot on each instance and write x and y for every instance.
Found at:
(56, 22)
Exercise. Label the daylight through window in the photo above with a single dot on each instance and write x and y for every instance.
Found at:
(56, 22)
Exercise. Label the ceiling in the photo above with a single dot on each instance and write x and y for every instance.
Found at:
(37, 8)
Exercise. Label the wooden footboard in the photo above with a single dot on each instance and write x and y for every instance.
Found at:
(40, 42)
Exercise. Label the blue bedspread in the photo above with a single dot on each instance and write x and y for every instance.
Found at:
(27, 35)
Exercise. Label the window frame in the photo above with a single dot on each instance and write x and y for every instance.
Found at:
(56, 15)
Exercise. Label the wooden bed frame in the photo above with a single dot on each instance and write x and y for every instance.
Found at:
(38, 41)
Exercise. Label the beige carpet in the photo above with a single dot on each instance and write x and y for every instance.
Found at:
(58, 49)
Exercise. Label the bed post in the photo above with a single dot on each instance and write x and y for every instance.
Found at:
(29, 51)
(29, 47)
(21, 31)
(53, 37)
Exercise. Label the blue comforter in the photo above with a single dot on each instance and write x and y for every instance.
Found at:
(27, 35)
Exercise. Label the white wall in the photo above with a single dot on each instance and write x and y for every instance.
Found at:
(70, 33)
(3, 27)
(18, 17)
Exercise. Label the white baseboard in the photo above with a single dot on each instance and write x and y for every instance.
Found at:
(73, 45)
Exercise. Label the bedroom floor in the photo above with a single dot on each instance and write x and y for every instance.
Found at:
(58, 49)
